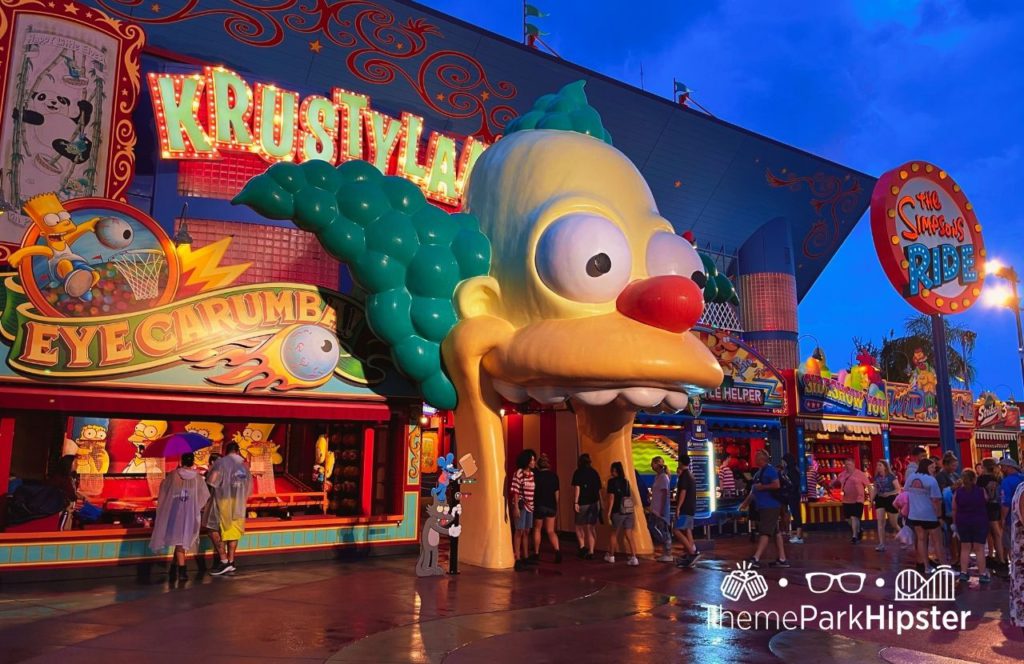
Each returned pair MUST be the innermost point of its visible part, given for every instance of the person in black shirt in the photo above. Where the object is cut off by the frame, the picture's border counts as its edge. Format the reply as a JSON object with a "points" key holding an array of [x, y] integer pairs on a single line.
{"points": [[545, 499], [621, 507], [686, 509], [586, 485]]}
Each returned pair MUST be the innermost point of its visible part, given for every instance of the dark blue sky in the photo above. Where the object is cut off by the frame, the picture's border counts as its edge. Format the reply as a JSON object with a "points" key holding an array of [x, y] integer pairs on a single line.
{"points": [[869, 84]]}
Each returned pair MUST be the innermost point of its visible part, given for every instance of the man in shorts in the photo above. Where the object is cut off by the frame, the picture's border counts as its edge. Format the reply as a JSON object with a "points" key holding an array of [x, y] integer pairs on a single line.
{"points": [[586, 486], [686, 508], [765, 483]]}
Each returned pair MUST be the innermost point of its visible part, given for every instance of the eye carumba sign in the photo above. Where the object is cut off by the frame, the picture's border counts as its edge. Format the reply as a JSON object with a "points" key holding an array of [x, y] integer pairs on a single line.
{"points": [[202, 115]]}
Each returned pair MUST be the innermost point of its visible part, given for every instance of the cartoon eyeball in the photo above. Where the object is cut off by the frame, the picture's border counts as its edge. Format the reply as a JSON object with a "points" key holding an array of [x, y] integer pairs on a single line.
{"points": [[101, 434], [140, 428], [584, 257], [668, 253], [88, 434], [439, 509], [150, 432], [51, 219], [446, 508], [310, 352], [114, 233], [256, 435]]}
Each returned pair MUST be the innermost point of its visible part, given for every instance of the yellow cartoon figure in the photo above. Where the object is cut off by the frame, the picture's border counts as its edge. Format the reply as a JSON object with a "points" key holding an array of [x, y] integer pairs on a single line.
{"points": [[91, 457], [212, 430], [59, 232], [561, 282], [261, 453], [323, 468], [146, 431]]}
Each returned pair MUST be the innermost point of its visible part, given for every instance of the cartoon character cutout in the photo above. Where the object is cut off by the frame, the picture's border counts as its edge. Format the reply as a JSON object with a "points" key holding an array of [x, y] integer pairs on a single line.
{"points": [[91, 456], [448, 471], [212, 430], [261, 453], [323, 468], [439, 521], [146, 431]]}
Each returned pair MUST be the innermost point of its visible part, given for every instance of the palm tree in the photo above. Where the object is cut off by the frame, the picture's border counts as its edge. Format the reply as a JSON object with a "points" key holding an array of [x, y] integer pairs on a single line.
{"points": [[960, 364]]}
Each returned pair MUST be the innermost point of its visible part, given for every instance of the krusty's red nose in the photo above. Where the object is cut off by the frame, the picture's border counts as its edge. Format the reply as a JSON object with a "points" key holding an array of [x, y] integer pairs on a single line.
{"points": [[671, 302]]}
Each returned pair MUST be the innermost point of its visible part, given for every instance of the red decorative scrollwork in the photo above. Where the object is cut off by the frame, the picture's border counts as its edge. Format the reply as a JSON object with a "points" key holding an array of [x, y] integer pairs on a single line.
{"points": [[381, 49], [831, 197]]}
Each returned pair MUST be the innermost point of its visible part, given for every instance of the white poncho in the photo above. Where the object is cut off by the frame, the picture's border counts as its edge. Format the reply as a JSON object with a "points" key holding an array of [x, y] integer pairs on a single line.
{"points": [[182, 497]]}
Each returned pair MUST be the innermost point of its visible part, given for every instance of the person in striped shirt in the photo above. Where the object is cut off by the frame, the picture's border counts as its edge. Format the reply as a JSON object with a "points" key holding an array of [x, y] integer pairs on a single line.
{"points": [[521, 492]]}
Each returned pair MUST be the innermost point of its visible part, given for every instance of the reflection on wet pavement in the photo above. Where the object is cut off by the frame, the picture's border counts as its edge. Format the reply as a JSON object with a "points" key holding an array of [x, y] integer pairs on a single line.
{"points": [[376, 610]]}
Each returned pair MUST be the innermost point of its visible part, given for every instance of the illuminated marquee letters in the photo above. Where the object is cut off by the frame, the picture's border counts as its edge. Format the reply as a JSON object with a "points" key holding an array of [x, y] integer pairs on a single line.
{"points": [[199, 116]]}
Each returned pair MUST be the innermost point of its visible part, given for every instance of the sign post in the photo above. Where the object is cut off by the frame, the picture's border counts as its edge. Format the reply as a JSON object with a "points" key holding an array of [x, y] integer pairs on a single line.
{"points": [[929, 242]]}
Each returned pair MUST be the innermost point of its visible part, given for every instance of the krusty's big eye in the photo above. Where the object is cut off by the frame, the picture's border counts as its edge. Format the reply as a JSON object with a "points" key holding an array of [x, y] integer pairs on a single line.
{"points": [[668, 253], [584, 257]]}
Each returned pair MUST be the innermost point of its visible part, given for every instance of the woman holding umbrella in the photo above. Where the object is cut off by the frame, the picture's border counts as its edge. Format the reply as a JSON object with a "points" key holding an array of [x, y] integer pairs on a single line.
{"points": [[182, 497]]}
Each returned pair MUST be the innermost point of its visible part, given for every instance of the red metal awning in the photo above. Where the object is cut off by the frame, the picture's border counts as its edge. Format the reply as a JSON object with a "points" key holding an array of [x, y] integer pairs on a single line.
{"points": [[115, 403], [923, 432]]}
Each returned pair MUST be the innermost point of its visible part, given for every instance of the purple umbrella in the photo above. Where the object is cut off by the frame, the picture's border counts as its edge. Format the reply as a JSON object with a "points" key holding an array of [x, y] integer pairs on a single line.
{"points": [[177, 444]]}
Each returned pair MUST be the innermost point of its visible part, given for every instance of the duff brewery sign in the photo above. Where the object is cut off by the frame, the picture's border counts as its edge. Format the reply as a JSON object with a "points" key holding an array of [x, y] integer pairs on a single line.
{"points": [[201, 115], [928, 238]]}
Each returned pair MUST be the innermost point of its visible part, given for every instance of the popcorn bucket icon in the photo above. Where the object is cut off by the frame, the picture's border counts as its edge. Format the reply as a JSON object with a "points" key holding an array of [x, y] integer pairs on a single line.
{"points": [[744, 580]]}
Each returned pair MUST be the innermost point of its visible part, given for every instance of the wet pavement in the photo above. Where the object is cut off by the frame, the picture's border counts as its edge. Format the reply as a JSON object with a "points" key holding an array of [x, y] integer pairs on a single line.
{"points": [[376, 610]]}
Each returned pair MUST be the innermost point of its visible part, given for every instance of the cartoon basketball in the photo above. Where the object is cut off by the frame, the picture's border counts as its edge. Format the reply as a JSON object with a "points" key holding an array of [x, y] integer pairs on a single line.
{"points": [[114, 233]]}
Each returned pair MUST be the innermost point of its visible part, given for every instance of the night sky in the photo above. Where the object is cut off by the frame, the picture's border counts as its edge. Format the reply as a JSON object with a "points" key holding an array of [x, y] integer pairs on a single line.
{"points": [[869, 84]]}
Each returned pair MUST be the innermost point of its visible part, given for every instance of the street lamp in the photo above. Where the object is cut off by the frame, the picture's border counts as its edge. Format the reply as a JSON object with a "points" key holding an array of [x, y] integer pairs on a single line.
{"points": [[1003, 295]]}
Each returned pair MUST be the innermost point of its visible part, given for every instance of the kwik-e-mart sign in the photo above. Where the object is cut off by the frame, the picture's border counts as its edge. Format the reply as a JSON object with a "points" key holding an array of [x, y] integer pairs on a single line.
{"points": [[201, 115]]}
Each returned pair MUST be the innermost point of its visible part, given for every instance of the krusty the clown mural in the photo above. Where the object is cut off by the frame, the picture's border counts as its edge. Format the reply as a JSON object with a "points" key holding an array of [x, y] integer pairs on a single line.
{"points": [[560, 281]]}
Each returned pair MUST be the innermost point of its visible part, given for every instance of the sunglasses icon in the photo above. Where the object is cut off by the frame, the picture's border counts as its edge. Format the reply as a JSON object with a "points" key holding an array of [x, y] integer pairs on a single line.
{"points": [[850, 583]]}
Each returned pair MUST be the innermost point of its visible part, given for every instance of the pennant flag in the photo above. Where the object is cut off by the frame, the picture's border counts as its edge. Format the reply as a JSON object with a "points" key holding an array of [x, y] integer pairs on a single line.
{"points": [[534, 31], [530, 10], [680, 88]]}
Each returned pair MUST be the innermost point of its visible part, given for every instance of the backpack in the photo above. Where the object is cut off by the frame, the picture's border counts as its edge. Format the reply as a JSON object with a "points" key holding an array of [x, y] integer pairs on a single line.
{"points": [[626, 506], [786, 490]]}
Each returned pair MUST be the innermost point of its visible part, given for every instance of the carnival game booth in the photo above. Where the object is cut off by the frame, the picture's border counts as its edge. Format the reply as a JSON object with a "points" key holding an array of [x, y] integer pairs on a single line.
{"points": [[191, 343], [839, 416], [914, 421], [997, 429]]}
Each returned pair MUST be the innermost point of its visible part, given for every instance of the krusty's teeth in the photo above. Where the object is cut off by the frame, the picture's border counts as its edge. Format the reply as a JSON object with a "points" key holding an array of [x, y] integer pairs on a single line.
{"points": [[643, 397], [514, 393], [548, 395], [597, 397], [677, 400]]}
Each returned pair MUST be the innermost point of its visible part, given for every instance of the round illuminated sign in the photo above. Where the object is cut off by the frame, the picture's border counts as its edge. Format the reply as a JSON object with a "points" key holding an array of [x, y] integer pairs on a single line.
{"points": [[928, 238]]}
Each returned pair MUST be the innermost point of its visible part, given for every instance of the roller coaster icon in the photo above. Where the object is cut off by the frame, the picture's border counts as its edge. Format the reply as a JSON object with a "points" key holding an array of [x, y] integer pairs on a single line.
{"points": [[912, 586]]}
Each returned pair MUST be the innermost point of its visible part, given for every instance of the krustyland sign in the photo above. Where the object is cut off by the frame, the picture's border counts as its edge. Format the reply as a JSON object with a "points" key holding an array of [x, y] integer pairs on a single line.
{"points": [[201, 115]]}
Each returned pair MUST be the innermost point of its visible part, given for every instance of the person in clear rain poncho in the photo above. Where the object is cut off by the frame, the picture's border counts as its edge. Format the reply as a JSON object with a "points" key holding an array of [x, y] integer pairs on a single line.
{"points": [[180, 503], [231, 483]]}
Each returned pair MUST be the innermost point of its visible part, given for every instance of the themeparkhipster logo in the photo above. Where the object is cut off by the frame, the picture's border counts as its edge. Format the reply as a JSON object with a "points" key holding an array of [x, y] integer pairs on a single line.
{"points": [[747, 583]]}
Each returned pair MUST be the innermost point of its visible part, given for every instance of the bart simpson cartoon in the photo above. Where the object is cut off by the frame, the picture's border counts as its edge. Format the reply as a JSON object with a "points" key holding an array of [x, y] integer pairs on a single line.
{"points": [[146, 431], [67, 268]]}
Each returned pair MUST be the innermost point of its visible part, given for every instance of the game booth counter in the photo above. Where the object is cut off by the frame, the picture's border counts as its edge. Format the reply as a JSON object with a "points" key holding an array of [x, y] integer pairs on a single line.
{"points": [[724, 430], [839, 415], [288, 371], [997, 428]]}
